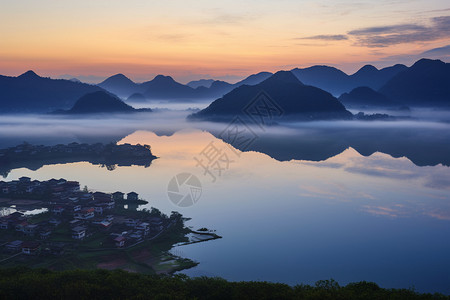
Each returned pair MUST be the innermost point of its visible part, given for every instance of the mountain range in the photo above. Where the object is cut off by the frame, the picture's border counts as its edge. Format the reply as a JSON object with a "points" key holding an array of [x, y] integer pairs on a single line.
{"points": [[32, 93], [166, 88], [281, 96], [426, 83], [337, 82]]}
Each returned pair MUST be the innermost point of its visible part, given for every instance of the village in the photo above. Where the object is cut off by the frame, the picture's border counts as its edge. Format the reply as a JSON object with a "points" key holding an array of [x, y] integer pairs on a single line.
{"points": [[72, 219]]}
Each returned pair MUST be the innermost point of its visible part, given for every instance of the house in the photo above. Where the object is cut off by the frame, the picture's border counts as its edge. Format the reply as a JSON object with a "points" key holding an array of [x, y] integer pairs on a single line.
{"points": [[25, 179], [21, 226], [78, 233], [132, 196], [137, 235], [4, 224], [72, 186], [84, 214], [30, 229], [118, 196], [58, 210], [98, 209], [73, 199], [102, 197], [31, 247], [45, 233], [145, 227], [120, 241], [105, 223], [54, 222], [131, 222], [85, 197], [14, 246]]}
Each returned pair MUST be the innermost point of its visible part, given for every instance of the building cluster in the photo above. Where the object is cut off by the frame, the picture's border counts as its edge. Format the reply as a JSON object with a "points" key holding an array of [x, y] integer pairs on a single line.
{"points": [[72, 214]]}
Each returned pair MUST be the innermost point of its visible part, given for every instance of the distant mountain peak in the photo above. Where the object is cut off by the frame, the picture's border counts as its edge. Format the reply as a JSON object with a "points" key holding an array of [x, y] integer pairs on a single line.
{"points": [[285, 76], [427, 62], [119, 76], [163, 78], [368, 68], [98, 102], [29, 74]]}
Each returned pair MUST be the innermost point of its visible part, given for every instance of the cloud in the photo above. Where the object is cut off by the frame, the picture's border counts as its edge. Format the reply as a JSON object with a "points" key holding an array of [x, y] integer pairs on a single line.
{"points": [[385, 36], [386, 29], [325, 37], [441, 51]]}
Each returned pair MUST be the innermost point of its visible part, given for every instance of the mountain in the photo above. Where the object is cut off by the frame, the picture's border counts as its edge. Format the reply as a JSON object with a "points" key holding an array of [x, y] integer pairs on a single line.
{"points": [[327, 78], [281, 95], [254, 79], [165, 87], [136, 97], [99, 102], [337, 82], [426, 83], [119, 85], [30, 93], [202, 82], [370, 76], [366, 97]]}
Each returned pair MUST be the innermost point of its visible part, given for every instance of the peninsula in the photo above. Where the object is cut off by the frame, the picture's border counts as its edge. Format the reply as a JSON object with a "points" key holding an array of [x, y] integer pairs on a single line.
{"points": [[55, 225]]}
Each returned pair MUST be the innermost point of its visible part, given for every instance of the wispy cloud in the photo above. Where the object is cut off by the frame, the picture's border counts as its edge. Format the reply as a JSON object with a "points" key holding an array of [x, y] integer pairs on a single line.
{"points": [[440, 51], [325, 37], [384, 36], [387, 29]]}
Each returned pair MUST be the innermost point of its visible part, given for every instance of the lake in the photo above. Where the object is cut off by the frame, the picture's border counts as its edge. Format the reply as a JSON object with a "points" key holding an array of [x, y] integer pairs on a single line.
{"points": [[348, 200]]}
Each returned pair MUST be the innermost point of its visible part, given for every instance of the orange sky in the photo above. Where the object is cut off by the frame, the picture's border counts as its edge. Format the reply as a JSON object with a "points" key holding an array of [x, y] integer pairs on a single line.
{"points": [[203, 39]]}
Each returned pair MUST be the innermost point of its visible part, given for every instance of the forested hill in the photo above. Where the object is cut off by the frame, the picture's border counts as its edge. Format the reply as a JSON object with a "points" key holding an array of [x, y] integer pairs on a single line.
{"points": [[101, 284]]}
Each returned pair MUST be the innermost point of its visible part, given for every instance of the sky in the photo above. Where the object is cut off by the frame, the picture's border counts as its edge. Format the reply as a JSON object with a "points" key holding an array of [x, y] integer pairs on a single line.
{"points": [[227, 40]]}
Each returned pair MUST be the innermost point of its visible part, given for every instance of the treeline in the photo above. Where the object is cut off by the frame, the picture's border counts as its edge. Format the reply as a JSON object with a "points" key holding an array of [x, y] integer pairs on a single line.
{"points": [[23, 283]]}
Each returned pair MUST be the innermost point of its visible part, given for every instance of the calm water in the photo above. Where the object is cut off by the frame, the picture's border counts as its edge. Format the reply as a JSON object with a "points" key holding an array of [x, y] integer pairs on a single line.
{"points": [[320, 210]]}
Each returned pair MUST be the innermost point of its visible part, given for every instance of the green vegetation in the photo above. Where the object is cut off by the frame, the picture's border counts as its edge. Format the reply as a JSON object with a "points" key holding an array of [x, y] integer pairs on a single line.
{"points": [[24, 283]]}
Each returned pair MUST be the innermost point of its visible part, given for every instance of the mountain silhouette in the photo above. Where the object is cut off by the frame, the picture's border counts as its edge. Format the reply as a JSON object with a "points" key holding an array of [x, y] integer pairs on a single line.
{"points": [[283, 96], [254, 79], [99, 102], [337, 82], [426, 83], [200, 83], [370, 76], [119, 85], [137, 97], [167, 89], [366, 97], [30, 93]]}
